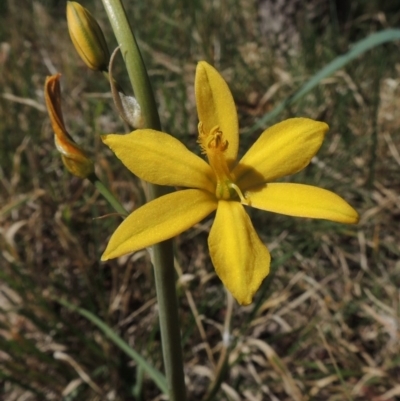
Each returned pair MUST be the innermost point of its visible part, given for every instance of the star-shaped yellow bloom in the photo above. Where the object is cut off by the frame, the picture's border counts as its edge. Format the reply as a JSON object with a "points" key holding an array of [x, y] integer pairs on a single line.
{"points": [[223, 185]]}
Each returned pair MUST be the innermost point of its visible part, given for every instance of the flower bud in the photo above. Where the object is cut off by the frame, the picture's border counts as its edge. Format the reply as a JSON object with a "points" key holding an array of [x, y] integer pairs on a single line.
{"points": [[73, 156], [87, 37]]}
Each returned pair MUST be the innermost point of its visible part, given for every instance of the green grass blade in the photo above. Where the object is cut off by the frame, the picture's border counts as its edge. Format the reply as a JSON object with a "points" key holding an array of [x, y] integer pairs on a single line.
{"points": [[154, 374], [339, 62]]}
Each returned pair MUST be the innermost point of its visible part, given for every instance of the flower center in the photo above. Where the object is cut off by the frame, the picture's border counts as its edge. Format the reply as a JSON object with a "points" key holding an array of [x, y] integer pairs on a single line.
{"points": [[214, 145]]}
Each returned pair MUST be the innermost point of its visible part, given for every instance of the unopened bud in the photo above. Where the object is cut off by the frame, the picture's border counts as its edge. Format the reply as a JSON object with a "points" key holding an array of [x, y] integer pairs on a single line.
{"points": [[73, 156], [87, 37]]}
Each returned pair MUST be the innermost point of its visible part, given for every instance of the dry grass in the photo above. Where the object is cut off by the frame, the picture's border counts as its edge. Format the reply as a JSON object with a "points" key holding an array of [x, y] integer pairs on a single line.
{"points": [[325, 327]]}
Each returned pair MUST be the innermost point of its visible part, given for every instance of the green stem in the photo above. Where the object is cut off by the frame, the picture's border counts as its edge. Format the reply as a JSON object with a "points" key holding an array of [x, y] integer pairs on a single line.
{"points": [[162, 257], [134, 63], [111, 199]]}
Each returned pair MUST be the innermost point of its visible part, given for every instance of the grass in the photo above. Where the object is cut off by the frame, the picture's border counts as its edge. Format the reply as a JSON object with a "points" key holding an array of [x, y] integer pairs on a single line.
{"points": [[327, 325]]}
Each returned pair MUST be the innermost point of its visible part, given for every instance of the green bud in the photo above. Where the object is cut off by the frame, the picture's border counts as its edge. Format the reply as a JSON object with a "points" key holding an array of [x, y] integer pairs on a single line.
{"points": [[87, 37]]}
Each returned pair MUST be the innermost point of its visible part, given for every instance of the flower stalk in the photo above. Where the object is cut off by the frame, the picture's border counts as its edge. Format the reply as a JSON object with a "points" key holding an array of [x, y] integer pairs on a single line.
{"points": [[162, 257]]}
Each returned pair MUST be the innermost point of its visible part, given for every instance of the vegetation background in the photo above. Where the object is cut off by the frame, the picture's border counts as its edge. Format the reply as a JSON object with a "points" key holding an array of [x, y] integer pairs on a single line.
{"points": [[326, 327]]}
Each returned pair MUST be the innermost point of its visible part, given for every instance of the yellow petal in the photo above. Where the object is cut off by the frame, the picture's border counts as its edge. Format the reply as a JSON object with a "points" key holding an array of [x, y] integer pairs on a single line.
{"points": [[240, 259], [215, 107], [161, 159], [159, 220], [282, 149], [301, 201]]}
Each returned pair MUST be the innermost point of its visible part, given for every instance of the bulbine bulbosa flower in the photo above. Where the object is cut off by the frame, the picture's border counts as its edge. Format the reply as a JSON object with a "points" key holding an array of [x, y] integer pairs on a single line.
{"points": [[73, 156], [87, 37], [223, 185]]}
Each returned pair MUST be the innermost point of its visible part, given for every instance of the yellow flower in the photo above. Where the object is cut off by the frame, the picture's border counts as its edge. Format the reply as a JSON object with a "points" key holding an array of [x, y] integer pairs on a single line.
{"points": [[240, 258], [73, 156]]}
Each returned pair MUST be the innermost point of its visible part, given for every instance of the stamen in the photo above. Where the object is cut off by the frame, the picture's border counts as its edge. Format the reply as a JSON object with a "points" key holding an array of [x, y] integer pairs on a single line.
{"points": [[215, 141], [214, 145], [239, 193]]}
